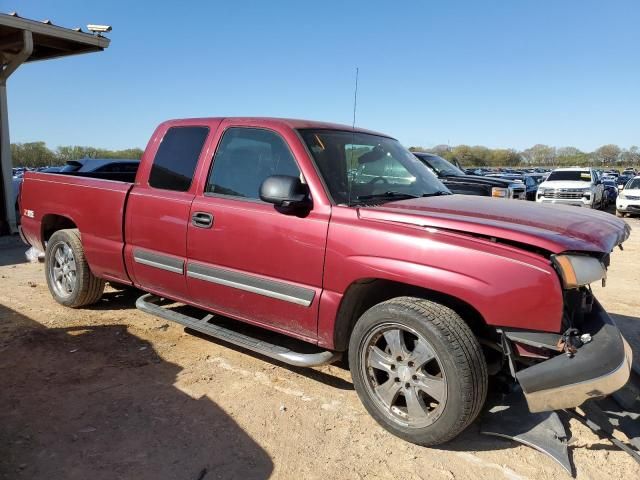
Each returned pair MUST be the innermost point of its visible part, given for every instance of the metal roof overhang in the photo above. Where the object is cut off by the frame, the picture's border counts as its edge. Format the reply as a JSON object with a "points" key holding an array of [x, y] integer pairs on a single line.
{"points": [[49, 41], [21, 41]]}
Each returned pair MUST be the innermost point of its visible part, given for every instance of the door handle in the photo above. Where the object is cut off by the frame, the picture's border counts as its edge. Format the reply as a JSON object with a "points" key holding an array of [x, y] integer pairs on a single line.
{"points": [[202, 220]]}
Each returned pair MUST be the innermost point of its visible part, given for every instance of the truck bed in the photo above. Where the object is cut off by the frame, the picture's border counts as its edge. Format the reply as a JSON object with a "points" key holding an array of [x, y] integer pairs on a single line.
{"points": [[94, 205]]}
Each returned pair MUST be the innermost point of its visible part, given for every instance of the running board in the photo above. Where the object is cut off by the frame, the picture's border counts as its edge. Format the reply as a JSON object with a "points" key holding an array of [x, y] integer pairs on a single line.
{"points": [[148, 303]]}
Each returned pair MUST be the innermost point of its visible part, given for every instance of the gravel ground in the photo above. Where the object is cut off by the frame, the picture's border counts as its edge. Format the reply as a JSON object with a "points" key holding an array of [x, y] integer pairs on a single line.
{"points": [[110, 392]]}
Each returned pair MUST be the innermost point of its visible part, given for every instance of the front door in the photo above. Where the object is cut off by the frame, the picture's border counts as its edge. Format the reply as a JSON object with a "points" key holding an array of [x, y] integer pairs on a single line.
{"points": [[245, 258]]}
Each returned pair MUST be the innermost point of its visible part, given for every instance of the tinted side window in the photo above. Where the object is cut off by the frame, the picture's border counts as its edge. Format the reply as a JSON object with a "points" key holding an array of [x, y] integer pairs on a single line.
{"points": [[119, 168], [177, 158], [245, 158]]}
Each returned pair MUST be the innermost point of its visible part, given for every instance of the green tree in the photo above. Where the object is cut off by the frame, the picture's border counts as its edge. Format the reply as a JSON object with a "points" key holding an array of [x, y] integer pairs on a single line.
{"points": [[540, 154], [32, 155], [608, 154]]}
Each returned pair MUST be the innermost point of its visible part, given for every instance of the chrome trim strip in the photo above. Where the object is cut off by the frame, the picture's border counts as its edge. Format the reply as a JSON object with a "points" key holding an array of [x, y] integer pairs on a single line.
{"points": [[157, 260], [249, 283]]}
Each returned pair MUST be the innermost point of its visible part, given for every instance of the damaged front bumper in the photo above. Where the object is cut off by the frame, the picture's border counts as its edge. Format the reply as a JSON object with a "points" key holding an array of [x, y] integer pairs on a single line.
{"points": [[598, 368]]}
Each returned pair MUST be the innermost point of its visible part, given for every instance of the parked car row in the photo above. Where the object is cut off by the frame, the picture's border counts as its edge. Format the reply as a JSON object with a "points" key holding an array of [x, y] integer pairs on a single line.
{"points": [[578, 186]]}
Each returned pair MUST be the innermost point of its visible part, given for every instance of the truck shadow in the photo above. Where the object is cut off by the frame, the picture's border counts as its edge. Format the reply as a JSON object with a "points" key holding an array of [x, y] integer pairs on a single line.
{"points": [[125, 299], [470, 440], [98, 402], [13, 250], [630, 328]]}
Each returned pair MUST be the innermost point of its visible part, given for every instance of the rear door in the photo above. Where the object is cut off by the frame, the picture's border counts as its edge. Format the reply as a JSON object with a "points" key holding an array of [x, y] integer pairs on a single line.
{"points": [[158, 210], [247, 259]]}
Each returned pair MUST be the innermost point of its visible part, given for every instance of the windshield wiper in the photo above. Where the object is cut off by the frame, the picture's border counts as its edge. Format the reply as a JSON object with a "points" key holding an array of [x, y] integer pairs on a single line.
{"points": [[437, 194], [389, 194]]}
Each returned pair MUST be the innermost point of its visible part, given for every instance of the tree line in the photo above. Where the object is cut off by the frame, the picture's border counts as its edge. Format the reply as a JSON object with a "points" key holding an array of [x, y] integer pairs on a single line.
{"points": [[538, 155], [37, 154]]}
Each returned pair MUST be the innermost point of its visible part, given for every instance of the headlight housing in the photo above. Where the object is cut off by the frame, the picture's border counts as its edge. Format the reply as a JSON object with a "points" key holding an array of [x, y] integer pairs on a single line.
{"points": [[500, 192], [578, 270], [622, 196]]}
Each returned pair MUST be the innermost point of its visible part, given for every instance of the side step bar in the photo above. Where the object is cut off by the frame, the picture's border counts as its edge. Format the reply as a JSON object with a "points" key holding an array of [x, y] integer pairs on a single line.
{"points": [[148, 303]]}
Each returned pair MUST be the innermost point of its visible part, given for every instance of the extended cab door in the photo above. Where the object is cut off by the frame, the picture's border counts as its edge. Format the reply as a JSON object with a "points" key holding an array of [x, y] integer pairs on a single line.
{"points": [[246, 259], [158, 208]]}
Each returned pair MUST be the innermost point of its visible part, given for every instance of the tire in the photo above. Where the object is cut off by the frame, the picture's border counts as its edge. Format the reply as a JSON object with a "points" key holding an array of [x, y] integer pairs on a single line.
{"points": [[456, 377], [69, 277], [619, 214]]}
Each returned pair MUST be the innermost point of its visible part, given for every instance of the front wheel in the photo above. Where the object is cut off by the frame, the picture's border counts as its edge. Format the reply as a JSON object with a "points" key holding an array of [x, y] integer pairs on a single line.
{"points": [[69, 277], [619, 214], [418, 369]]}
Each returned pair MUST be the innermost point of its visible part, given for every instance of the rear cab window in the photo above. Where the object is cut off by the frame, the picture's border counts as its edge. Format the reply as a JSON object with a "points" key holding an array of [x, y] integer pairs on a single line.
{"points": [[177, 157]]}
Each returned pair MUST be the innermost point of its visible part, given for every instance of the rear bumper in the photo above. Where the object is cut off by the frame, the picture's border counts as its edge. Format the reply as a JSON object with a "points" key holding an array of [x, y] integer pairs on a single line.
{"points": [[598, 368]]}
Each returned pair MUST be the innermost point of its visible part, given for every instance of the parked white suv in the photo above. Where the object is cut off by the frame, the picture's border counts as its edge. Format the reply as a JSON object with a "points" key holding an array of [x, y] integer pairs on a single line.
{"points": [[572, 186], [628, 200]]}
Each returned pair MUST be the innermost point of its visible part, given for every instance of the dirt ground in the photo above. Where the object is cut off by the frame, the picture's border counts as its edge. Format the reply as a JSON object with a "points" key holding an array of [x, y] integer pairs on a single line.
{"points": [[110, 392]]}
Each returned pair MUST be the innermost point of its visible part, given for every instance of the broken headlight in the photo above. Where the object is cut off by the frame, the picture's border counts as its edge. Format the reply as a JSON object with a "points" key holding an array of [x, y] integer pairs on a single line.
{"points": [[578, 270]]}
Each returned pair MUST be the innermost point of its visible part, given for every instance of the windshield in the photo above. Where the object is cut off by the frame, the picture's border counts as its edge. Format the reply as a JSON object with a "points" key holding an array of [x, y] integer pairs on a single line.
{"points": [[571, 175], [440, 165], [633, 184], [537, 179], [622, 179], [360, 167]]}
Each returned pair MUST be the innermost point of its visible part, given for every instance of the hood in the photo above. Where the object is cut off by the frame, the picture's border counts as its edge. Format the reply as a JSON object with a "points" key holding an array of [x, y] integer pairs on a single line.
{"points": [[476, 180], [634, 192], [555, 228]]}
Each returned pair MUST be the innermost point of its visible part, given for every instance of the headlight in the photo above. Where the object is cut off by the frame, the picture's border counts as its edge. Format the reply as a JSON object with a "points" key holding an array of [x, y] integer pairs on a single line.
{"points": [[500, 192], [586, 192], [578, 270], [622, 196]]}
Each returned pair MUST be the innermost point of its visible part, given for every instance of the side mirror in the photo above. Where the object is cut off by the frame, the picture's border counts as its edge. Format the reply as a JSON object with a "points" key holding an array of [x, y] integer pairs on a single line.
{"points": [[285, 191]]}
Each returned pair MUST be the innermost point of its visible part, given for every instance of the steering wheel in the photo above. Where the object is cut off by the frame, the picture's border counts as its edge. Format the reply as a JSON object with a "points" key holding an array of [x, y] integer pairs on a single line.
{"points": [[377, 179]]}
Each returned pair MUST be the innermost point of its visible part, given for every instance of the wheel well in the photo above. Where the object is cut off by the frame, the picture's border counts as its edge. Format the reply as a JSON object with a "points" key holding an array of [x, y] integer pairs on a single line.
{"points": [[364, 294], [52, 223]]}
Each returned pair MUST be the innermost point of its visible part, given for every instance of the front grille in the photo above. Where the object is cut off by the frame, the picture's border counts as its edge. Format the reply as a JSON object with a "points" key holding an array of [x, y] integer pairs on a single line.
{"points": [[519, 193], [631, 197], [564, 193]]}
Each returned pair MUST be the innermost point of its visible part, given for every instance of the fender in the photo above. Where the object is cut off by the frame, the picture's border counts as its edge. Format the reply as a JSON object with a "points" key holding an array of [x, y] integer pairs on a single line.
{"points": [[507, 286]]}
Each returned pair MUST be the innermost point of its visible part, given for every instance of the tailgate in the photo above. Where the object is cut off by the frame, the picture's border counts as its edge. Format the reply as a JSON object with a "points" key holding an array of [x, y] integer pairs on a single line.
{"points": [[96, 207]]}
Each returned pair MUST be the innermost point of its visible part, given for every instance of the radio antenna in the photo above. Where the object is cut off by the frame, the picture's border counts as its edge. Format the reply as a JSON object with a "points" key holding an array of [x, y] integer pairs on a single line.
{"points": [[355, 99], [353, 139]]}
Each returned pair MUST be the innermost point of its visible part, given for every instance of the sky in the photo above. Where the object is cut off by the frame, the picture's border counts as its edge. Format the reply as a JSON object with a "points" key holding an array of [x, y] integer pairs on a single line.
{"points": [[506, 74]]}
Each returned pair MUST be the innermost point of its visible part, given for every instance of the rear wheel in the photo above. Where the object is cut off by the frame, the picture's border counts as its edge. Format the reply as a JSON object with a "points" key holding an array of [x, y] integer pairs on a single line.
{"points": [[418, 369], [69, 277]]}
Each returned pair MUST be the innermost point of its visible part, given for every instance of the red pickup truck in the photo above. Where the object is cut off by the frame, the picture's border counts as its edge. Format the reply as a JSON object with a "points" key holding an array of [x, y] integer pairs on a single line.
{"points": [[341, 238]]}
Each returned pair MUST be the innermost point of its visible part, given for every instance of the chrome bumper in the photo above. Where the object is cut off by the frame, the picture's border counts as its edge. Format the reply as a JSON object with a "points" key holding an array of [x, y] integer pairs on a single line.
{"points": [[597, 369]]}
